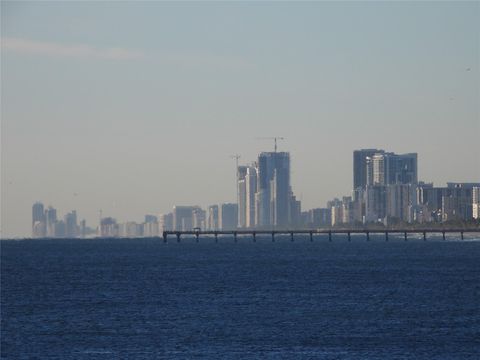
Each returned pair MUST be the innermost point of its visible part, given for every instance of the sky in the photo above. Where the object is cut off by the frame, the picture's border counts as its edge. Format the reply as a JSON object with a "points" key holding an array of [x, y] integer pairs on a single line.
{"points": [[134, 107]]}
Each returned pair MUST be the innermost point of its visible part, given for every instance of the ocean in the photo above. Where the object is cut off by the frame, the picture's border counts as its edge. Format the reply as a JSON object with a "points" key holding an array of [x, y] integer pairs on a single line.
{"points": [[144, 299]]}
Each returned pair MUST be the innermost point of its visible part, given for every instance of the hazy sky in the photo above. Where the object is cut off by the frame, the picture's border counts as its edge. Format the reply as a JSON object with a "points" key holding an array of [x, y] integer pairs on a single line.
{"points": [[135, 107]]}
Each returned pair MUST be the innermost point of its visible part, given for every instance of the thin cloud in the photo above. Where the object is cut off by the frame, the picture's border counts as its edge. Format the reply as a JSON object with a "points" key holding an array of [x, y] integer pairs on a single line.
{"points": [[27, 46]]}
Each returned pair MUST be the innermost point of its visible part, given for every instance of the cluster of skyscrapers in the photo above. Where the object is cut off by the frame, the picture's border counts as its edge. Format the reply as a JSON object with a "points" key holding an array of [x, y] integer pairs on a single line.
{"points": [[265, 201], [385, 191], [46, 224]]}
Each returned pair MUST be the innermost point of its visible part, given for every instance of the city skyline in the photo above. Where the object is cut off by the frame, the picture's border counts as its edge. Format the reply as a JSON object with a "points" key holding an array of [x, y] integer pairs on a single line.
{"points": [[385, 191], [115, 106]]}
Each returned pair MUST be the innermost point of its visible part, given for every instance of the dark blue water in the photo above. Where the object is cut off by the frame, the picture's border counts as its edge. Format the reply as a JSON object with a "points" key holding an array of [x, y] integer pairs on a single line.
{"points": [[102, 299]]}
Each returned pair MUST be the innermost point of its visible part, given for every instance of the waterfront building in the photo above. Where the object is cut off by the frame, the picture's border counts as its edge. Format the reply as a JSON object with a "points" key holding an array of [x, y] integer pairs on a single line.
{"points": [[150, 226], [375, 203], [227, 216], [165, 222], [39, 229], [83, 228], [421, 214], [341, 211], [335, 207], [273, 188], [250, 191], [390, 168], [242, 196], [295, 211], [476, 202], [71, 226], [360, 166], [319, 217], [51, 220], [358, 205], [130, 229], [453, 202], [400, 201], [183, 217], [347, 210], [60, 229], [108, 227], [199, 216], [212, 218]]}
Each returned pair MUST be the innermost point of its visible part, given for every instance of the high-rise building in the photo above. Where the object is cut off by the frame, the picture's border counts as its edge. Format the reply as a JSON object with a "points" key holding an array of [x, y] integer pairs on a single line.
{"points": [[400, 201], [60, 229], [358, 206], [108, 227], [130, 229], [38, 221], [39, 229], [227, 216], [457, 203], [150, 226], [375, 203], [183, 217], [273, 188], [83, 228], [318, 217], [389, 169], [336, 215], [166, 222], [250, 191], [347, 210], [242, 196], [295, 211], [38, 213], [199, 217], [453, 202], [71, 226], [51, 220], [476, 202], [212, 218], [404, 169], [360, 166]]}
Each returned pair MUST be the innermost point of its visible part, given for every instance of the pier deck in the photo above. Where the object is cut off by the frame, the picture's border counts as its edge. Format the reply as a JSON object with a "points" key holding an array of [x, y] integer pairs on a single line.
{"points": [[329, 232]]}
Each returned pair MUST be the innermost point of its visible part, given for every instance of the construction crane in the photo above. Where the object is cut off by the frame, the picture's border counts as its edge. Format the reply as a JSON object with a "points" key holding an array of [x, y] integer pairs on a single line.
{"points": [[274, 138], [236, 157]]}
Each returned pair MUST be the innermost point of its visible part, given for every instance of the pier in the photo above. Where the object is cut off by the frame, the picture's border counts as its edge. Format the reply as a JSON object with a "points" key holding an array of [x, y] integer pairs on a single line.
{"points": [[310, 233]]}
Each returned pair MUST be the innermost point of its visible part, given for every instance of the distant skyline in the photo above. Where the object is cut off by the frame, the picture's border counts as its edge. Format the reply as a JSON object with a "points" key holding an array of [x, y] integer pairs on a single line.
{"points": [[133, 108]]}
